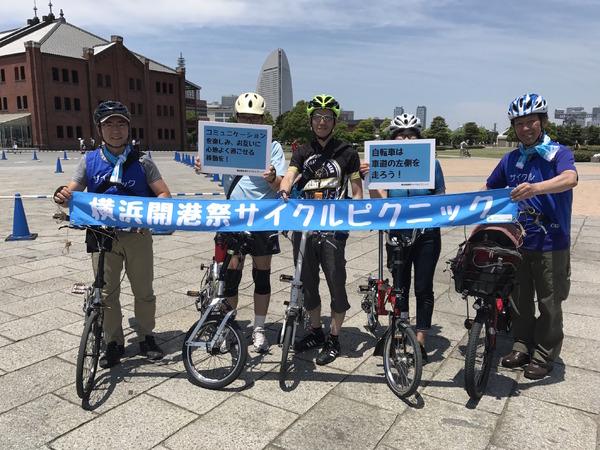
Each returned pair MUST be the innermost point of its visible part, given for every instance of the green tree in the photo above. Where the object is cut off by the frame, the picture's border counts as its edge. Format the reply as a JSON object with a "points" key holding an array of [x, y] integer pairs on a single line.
{"points": [[438, 130], [457, 136], [341, 132], [482, 137], [511, 136], [552, 131], [364, 131], [592, 135], [296, 125], [471, 132], [384, 132], [279, 125], [191, 120]]}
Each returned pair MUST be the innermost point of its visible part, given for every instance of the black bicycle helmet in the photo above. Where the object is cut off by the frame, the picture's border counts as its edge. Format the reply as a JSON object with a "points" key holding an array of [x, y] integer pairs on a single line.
{"points": [[110, 109]]}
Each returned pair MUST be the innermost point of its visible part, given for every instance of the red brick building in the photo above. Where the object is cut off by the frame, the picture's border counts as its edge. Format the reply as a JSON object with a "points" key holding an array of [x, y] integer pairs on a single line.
{"points": [[53, 75]]}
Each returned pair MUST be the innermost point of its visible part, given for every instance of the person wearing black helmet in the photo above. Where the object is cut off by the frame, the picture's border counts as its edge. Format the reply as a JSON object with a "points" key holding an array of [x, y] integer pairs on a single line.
{"points": [[542, 175], [117, 169], [323, 168]]}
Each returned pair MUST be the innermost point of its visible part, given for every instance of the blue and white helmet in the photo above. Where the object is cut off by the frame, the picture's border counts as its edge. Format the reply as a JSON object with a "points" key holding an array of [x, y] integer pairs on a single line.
{"points": [[527, 104]]}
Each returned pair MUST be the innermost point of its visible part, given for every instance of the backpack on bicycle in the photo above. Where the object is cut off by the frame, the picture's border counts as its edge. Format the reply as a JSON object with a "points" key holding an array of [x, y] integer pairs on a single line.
{"points": [[487, 261]]}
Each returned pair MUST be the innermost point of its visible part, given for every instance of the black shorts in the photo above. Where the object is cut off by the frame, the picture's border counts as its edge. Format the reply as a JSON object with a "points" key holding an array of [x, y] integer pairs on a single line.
{"points": [[264, 243]]}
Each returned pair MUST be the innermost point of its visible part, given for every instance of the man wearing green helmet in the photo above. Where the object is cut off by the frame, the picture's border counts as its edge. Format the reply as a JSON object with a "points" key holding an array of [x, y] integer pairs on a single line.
{"points": [[322, 169]]}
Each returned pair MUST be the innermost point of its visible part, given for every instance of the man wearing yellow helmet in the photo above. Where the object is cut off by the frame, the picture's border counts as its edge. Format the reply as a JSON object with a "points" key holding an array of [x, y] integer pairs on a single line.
{"points": [[323, 168]]}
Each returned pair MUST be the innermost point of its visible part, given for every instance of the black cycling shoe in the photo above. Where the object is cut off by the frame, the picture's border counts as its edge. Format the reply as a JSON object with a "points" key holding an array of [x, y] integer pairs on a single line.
{"points": [[424, 359], [311, 340], [150, 349], [112, 356], [330, 351]]}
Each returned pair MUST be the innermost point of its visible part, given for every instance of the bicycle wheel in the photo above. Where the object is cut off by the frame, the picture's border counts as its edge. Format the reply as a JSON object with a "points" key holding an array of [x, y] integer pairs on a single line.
{"points": [[402, 361], [479, 359], [285, 347], [89, 353], [221, 365]]}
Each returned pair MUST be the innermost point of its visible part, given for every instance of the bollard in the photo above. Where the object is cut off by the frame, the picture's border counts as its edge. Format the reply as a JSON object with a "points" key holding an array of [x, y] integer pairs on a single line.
{"points": [[35, 155], [149, 155], [20, 228], [58, 166], [3, 156], [65, 155], [215, 177]]}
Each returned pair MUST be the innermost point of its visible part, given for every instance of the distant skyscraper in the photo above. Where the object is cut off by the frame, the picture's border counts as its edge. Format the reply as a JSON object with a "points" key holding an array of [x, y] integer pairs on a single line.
{"points": [[275, 83], [398, 111], [422, 115], [228, 101]]}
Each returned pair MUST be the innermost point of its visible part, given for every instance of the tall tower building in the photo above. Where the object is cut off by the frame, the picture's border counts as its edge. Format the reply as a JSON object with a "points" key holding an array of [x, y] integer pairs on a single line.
{"points": [[398, 111], [275, 83], [422, 115]]}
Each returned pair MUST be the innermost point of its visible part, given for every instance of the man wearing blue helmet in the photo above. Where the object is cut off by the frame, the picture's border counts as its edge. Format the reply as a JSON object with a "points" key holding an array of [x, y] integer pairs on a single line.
{"points": [[542, 174]]}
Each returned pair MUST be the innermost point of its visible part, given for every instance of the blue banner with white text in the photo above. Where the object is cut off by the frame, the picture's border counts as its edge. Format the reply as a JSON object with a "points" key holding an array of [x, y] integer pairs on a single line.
{"points": [[493, 206]]}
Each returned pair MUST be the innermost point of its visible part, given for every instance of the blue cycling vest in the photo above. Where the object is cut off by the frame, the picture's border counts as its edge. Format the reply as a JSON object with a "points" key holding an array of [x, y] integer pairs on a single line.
{"points": [[134, 177]]}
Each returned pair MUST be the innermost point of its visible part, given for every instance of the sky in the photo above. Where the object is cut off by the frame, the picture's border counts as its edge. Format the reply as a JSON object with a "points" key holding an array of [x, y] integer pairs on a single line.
{"points": [[465, 60]]}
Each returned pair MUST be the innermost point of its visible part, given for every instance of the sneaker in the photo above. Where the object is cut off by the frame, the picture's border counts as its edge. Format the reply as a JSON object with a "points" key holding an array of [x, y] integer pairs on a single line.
{"points": [[112, 356], [311, 340], [424, 359], [330, 351], [228, 341], [261, 344], [150, 349]]}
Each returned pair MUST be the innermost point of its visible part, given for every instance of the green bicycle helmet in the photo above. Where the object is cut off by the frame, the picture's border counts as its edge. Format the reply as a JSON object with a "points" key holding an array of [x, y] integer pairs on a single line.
{"points": [[323, 101]]}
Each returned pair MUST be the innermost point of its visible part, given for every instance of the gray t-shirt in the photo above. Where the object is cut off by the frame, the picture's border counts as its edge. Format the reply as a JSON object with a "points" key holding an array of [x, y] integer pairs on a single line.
{"points": [[152, 172]]}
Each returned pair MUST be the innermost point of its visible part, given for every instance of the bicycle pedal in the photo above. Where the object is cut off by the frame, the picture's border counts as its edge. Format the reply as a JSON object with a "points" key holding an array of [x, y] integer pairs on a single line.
{"points": [[286, 278], [79, 288], [363, 289], [193, 293]]}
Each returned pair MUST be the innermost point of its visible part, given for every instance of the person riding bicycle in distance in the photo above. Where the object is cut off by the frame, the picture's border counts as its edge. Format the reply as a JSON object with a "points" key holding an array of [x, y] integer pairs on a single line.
{"points": [[118, 170], [426, 249], [325, 165], [542, 174], [250, 108]]}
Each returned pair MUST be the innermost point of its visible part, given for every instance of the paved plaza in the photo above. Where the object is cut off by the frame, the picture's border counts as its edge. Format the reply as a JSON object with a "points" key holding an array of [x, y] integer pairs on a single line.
{"points": [[346, 405]]}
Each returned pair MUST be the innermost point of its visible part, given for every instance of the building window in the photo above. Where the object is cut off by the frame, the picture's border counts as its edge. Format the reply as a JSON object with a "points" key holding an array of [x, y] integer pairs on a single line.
{"points": [[76, 104], [55, 74], [164, 88], [99, 80], [172, 111], [2, 76], [132, 108], [57, 103], [5, 102], [131, 84], [141, 133], [75, 76], [79, 132], [22, 73], [70, 132], [160, 133], [133, 133], [158, 110], [139, 109], [25, 106], [60, 133], [65, 75], [172, 134], [19, 102], [170, 88], [138, 84], [16, 74], [158, 87], [166, 133], [67, 104], [165, 110], [107, 83]]}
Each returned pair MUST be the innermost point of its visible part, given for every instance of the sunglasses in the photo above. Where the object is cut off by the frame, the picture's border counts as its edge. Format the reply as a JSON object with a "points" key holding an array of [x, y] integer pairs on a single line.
{"points": [[318, 117]]}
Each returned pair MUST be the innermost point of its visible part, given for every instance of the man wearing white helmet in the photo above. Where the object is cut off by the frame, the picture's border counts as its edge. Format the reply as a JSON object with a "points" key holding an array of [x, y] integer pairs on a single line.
{"points": [[427, 247], [250, 108], [542, 174]]}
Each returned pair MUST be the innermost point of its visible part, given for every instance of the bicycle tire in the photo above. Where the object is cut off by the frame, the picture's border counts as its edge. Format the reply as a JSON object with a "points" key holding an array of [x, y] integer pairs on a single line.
{"points": [[402, 360], [88, 356], [478, 361], [285, 347], [373, 314], [217, 368]]}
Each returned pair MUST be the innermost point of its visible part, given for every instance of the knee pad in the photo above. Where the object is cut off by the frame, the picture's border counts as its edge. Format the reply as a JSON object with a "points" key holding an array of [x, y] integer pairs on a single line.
{"points": [[262, 281], [232, 282]]}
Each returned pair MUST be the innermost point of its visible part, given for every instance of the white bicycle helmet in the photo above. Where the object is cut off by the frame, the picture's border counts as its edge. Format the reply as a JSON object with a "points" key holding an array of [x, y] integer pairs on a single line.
{"points": [[527, 104], [250, 103], [404, 122]]}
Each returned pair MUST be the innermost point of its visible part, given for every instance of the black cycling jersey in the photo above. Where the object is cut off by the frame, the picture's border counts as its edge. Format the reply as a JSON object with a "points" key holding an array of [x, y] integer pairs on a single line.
{"points": [[331, 179]]}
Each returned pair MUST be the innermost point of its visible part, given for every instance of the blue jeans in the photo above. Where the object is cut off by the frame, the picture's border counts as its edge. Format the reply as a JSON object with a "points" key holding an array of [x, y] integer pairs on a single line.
{"points": [[423, 256]]}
